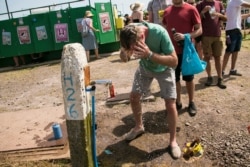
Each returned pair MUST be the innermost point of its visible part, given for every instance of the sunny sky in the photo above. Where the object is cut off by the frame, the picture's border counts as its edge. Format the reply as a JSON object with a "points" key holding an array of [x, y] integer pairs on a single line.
{"points": [[15, 5]]}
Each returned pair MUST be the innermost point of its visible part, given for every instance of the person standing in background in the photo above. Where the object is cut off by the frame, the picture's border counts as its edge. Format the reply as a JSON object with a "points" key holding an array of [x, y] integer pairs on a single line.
{"points": [[137, 13], [127, 19], [89, 41], [212, 13], [184, 18], [155, 7], [197, 40], [16, 60], [233, 32]]}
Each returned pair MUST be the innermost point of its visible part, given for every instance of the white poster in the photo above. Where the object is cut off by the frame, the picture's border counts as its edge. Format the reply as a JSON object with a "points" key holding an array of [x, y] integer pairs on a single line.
{"points": [[41, 33], [6, 38]]}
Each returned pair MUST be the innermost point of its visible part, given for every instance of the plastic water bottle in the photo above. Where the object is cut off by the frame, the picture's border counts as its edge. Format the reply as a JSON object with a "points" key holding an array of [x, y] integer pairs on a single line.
{"points": [[211, 11]]}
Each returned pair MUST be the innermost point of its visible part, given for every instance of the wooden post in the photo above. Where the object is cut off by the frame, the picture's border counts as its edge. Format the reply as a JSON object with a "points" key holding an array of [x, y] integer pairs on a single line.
{"points": [[77, 111]]}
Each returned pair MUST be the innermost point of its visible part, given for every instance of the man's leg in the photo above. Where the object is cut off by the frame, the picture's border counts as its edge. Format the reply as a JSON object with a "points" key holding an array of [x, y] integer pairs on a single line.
{"points": [[87, 55], [96, 53], [172, 124], [218, 68], [234, 59], [137, 110], [190, 90], [178, 92], [16, 61], [172, 120], [225, 60], [209, 81]]}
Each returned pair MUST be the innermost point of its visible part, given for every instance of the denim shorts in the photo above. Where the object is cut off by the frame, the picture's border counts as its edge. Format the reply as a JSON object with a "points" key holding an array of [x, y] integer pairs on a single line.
{"points": [[236, 39], [166, 80], [187, 78]]}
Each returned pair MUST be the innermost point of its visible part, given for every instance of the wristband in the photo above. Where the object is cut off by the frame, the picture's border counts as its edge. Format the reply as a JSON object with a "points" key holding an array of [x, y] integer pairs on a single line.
{"points": [[150, 55]]}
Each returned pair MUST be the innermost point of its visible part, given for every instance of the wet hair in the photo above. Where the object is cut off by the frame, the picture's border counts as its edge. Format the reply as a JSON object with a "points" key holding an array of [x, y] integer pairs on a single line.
{"points": [[128, 36]]}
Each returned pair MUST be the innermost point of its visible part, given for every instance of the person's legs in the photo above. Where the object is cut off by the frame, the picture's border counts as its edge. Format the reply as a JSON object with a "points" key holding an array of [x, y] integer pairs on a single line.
{"points": [[225, 61], [141, 84], [178, 92], [207, 43], [137, 110], [178, 82], [172, 117], [218, 66], [16, 61], [172, 120], [209, 81], [233, 60], [190, 90], [87, 54], [96, 53]]}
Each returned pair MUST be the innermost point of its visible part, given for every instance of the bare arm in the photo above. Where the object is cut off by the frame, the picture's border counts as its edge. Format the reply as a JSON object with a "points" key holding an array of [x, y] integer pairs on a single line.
{"points": [[197, 31], [143, 52]]}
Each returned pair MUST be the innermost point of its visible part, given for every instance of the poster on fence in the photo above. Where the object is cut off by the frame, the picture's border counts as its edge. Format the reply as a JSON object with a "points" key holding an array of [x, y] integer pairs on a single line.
{"points": [[105, 22], [6, 38], [41, 33], [23, 33], [79, 24], [61, 32]]}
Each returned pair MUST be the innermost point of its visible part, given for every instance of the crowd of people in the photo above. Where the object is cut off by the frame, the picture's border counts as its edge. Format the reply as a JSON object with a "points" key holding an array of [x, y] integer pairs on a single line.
{"points": [[160, 52]]}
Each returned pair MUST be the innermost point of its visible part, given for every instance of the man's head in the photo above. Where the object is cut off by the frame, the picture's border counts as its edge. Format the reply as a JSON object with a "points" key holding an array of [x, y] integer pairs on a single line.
{"points": [[129, 35]]}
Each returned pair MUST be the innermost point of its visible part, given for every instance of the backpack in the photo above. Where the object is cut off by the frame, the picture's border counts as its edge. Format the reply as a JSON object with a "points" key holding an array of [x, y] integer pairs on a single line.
{"points": [[85, 28]]}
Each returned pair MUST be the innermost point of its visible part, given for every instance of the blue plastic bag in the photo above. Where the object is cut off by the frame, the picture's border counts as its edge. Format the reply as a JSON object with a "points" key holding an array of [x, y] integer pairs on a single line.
{"points": [[191, 63]]}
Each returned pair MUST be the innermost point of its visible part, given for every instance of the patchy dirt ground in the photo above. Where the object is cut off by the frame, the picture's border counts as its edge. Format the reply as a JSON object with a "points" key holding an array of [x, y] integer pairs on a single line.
{"points": [[221, 122]]}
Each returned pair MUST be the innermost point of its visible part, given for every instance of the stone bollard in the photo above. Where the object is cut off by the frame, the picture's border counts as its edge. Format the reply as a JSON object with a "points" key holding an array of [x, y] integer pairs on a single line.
{"points": [[77, 111]]}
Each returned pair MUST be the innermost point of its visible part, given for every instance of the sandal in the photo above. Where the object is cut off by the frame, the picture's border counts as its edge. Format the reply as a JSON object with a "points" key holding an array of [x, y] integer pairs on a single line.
{"points": [[134, 134], [175, 152]]}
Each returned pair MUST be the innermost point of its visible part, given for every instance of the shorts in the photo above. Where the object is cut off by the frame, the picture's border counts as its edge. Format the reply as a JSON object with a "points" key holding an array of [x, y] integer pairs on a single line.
{"points": [[166, 80], [186, 78], [236, 39], [212, 46]]}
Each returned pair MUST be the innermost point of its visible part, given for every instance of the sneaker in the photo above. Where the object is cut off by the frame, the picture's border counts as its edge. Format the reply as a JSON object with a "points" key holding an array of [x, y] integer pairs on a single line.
{"points": [[192, 109], [209, 81], [223, 73], [221, 84], [234, 72], [178, 106], [134, 134], [175, 152]]}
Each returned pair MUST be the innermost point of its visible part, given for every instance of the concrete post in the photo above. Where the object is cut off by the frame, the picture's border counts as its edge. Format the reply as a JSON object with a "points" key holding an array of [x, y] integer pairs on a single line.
{"points": [[78, 115]]}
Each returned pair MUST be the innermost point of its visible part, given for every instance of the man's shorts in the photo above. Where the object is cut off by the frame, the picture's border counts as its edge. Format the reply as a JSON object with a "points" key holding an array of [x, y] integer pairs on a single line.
{"points": [[187, 78], [235, 38], [166, 80], [212, 46]]}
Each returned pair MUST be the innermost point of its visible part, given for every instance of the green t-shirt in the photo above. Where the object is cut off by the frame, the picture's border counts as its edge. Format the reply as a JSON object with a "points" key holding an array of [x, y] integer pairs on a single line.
{"points": [[159, 42]]}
